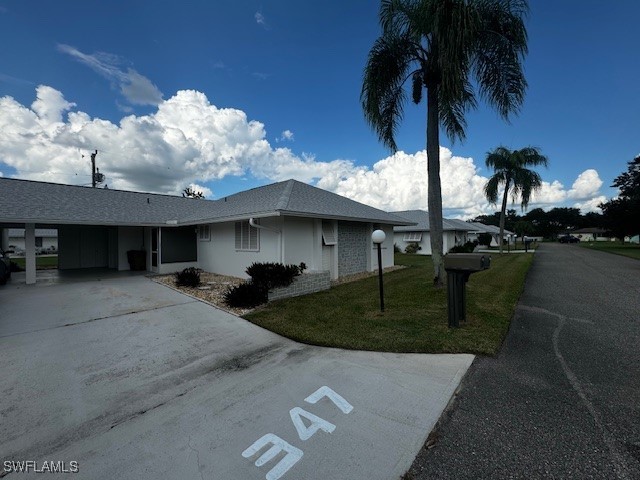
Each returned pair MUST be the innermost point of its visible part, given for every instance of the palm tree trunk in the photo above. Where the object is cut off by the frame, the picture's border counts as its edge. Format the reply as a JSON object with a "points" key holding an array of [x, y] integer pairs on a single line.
{"points": [[503, 212], [434, 195]]}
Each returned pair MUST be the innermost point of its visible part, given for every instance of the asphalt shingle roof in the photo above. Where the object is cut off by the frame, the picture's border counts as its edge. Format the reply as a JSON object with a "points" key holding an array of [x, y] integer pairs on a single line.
{"points": [[482, 228], [25, 201], [421, 219]]}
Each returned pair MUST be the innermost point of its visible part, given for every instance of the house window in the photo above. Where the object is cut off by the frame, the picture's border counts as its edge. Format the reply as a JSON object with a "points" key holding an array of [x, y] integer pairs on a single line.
{"points": [[204, 233], [247, 237], [38, 241], [328, 234], [412, 237]]}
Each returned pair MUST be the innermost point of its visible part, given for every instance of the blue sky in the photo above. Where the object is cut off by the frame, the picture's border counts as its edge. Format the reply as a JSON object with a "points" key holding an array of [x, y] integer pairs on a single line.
{"points": [[296, 69]]}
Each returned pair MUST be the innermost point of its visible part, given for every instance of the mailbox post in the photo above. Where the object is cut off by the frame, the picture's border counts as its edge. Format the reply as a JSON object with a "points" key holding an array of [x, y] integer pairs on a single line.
{"points": [[459, 266]]}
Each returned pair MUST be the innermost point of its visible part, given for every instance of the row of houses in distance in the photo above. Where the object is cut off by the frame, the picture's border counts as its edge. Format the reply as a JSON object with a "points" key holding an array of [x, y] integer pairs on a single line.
{"points": [[455, 232]]}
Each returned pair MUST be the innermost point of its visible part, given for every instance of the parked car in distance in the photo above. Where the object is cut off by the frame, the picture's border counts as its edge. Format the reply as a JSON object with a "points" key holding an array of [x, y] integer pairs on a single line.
{"points": [[5, 267], [569, 239]]}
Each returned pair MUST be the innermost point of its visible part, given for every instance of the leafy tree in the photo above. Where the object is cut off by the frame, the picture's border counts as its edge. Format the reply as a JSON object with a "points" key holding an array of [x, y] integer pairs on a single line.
{"points": [[522, 227], [484, 239], [592, 219], [621, 214], [510, 170], [563, 219], [443, 46], [191, 193]]}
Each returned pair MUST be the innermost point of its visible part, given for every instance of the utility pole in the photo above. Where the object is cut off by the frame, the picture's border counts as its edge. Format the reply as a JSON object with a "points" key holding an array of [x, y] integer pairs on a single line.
{"points": [[93, 168]]}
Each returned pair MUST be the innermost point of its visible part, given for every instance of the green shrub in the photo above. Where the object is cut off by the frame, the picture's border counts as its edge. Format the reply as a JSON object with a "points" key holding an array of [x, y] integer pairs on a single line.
{"points": [[189, 277], [468, 247], [412, 248], [485, 239], [245, 295], [396, 248], [264, 277], [270, 275]]}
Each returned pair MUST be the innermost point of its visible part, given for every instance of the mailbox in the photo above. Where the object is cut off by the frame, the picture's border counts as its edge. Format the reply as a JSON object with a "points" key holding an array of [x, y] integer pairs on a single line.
{"points": [[468, 262], [459, 266]]}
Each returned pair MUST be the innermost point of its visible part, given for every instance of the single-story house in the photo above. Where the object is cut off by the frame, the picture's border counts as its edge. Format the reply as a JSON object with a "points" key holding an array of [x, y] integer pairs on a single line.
{"points": [[492, 230], [591, 234], [289, 222], [46, 239], [455, 232]]}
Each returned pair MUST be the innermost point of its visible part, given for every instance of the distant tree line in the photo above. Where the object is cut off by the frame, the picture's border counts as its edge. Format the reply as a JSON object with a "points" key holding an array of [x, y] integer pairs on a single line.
{"points": [[538, 223], [622, 213]]}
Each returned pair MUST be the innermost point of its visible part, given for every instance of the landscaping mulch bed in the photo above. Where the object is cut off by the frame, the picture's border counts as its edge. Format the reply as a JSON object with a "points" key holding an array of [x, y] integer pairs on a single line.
{"points": [[211, 289]]}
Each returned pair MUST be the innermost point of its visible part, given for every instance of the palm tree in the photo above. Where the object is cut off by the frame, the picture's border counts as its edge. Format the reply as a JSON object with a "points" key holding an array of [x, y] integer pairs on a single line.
{"points": [[441, 45], [510, 169]]}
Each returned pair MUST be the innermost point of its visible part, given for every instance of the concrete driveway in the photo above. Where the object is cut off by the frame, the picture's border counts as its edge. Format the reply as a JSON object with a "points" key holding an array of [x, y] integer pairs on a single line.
{"points": [[133, 380]]}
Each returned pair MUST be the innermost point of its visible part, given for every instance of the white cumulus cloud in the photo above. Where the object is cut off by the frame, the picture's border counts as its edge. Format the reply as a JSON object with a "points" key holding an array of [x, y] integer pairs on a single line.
{"points": [[591, 205], [586, 185], [189, 141], [286, 135], [206, 191]]}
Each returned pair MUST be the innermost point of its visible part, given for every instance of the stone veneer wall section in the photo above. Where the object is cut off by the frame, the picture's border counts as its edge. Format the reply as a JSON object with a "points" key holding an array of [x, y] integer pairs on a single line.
{"points": [[353, 243], [302, 285]]}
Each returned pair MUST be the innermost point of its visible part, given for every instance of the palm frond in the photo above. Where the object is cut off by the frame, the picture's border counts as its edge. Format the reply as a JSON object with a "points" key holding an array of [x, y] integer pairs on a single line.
{"points": [[382, 94], [499, 54], [491, 188]]}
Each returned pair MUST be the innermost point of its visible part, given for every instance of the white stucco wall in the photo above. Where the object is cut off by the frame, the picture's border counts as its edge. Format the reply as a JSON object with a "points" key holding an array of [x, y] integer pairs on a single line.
{"points": [[387, 249], [15, 237], [301, 242], [448, 241], [166, 268], [425, 243], [219, 255]]}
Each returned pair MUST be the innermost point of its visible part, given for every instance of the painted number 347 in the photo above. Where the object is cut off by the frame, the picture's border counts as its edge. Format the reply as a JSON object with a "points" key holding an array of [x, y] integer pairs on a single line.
{"points": [[294, 454]]}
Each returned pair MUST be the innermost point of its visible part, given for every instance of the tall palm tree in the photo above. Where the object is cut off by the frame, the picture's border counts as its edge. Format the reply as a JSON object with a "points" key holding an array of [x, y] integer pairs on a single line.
{"points": [[510, 169], [441, 45]]}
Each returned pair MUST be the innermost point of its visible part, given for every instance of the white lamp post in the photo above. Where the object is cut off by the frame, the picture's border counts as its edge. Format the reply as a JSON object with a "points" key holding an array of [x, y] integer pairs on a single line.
{"points": [[378, 237]]}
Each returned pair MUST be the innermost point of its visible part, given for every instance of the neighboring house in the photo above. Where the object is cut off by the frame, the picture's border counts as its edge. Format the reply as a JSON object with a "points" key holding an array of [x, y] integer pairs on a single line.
{"points": [[592, 234], [492, 230], [288, 222], [46, 240], [455, 232]]}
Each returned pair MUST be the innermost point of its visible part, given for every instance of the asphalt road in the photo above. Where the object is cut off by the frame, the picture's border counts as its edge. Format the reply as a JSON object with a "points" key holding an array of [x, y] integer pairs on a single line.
{"points": [[562, 399]]}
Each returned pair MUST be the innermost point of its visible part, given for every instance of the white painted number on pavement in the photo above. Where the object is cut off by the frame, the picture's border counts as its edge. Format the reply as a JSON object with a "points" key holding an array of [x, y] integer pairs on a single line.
{"points": [[278, 445], [317, 423], [294, 454], [338, 400]]}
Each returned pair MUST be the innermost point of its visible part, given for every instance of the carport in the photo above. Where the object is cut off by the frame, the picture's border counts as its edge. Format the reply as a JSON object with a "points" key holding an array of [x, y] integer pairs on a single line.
{"points": [[97, 228]]}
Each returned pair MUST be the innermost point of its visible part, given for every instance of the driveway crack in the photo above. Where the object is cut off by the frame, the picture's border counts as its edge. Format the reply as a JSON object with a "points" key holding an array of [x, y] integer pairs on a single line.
{"points": [[193, 449]]}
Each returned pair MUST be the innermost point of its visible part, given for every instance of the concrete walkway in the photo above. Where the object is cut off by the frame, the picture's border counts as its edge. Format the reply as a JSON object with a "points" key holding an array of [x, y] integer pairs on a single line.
{"points": [[133, 380], [562, 400]]}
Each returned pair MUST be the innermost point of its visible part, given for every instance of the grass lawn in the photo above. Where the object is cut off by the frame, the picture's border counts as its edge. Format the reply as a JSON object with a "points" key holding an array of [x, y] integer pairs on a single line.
{"points": [[626, 249], [415, 317], [42, 263]]}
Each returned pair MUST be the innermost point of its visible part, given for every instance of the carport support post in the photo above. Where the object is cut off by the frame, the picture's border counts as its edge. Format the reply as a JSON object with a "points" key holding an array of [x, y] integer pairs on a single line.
{"points": [[30, 253]]}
